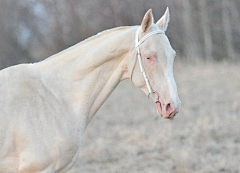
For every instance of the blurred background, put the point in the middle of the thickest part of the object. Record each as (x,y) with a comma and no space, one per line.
(126,135)
(31,30)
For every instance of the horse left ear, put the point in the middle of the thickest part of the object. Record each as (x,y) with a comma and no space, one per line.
(163,22)
(147,20)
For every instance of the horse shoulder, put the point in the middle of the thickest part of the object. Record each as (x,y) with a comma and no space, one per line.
(33,117)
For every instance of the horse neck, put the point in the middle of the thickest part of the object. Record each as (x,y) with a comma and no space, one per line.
(89,71)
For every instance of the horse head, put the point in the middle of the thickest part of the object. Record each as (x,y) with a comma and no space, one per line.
(154,74)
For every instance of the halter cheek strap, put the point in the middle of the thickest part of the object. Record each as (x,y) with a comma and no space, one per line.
(137,44)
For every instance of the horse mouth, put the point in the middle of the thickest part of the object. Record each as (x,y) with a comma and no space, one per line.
(172,115)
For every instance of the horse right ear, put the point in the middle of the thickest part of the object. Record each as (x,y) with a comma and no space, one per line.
(163,22)
(147,20)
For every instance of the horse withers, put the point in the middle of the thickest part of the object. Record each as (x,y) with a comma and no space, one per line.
(46,106)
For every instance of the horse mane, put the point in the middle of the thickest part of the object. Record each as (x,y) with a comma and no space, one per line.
(103,33)
(91,38)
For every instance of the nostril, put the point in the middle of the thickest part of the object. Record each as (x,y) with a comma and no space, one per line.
(169,108)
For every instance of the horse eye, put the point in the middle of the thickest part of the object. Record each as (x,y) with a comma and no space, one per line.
(148,57)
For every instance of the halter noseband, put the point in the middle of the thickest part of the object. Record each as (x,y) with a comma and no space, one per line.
(137,44)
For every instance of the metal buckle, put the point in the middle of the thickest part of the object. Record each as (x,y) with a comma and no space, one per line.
(151,100)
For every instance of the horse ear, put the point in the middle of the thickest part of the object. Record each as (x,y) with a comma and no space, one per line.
(147,20)
(163,22)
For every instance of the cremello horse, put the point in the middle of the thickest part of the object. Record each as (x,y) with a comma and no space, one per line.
(46,106)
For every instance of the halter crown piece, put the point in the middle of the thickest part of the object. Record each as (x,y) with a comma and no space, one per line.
(137,44)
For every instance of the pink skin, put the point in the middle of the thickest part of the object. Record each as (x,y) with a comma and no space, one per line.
(170,111)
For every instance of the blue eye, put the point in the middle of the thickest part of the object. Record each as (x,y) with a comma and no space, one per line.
(148,57)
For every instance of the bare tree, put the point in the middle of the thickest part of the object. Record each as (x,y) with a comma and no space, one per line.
(227,30)
(190,45)
(206,30)
(235,26)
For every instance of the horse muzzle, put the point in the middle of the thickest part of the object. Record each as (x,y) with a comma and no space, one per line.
(168,110)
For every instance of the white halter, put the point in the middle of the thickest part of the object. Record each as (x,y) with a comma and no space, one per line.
(137,44)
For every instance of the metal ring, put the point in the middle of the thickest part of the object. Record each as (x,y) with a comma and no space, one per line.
(151,100)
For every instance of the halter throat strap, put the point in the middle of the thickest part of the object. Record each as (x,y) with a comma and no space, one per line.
(137,44)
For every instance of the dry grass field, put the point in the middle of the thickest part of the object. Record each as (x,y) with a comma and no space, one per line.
(126,135)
